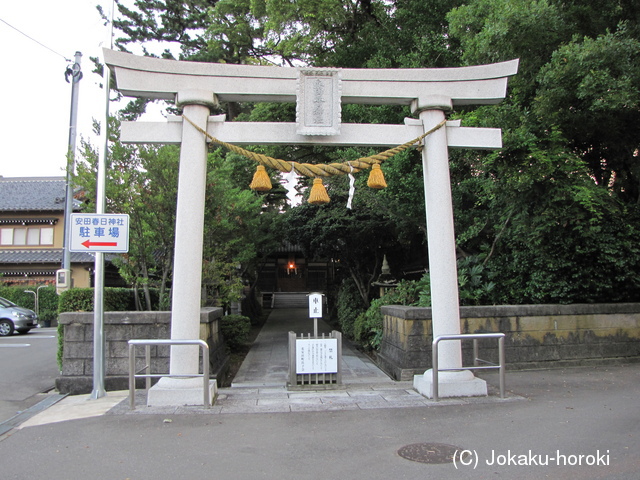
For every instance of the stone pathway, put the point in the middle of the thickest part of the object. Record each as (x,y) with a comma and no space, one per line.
(266,364)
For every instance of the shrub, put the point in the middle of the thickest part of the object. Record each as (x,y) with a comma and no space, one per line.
(350,305)
(367,328)
(76,300)
(235,330)
(119,299)
(17,295)
(48,304)
(475,282)
(60,352)
(81,300)
(154,296)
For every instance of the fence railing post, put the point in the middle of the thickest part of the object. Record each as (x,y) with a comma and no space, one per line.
(148,375)
(476,361)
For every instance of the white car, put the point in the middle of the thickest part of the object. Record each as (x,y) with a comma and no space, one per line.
(15,318)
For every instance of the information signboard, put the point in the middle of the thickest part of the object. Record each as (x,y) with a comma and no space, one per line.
(92,232)
(315,305)
(317,355)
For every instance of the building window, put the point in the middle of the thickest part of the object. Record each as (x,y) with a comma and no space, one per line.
(19,236)
(46,236)
(6,236)
(32,236)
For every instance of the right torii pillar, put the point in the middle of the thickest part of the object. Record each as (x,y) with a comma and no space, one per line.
(443,271)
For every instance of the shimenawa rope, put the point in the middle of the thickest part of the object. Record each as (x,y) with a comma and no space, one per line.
(317,170)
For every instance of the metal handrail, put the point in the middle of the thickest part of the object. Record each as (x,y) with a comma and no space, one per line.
(475,337)
(148,376)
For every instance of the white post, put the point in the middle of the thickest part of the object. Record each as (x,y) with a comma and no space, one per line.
(187,278)
(443,271)
(187,270)
(99,341)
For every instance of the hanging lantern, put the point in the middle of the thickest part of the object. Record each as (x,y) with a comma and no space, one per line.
(376,177)
(318,195)
(261,181)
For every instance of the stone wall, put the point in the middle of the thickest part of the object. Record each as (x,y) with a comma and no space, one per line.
(537,336)
(120,327)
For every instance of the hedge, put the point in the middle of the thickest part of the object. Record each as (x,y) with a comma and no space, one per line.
(115,299)
(47,300)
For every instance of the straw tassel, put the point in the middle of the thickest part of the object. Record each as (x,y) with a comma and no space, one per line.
(376,177)
(318,195)
(261,181)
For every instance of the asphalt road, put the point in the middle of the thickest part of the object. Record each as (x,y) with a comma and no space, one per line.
(571,424)
(27,367)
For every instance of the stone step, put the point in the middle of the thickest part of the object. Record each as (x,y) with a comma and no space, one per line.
(290,300)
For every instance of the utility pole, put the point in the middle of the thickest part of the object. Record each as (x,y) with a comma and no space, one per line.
(73,75)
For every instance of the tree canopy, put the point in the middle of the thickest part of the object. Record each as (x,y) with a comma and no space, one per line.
(547,209)
(143,182)
(550,217)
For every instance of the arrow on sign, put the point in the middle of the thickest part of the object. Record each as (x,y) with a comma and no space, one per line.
(89,244)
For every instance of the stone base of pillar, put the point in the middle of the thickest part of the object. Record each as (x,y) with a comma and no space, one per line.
(176,392)
(450,384)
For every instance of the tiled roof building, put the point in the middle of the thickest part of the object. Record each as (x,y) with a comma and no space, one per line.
(32,232)
(33,194)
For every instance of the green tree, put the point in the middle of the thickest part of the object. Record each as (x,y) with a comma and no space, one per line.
(547,218)
(580,78)
(551,213)
(288,32)
(237,227)
(357,238)
(142,183)
(590,89)
(362,33)
(168,23)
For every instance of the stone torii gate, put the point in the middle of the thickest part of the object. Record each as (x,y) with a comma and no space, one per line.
(319,93)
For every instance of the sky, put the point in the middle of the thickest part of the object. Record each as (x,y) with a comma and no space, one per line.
(36,99)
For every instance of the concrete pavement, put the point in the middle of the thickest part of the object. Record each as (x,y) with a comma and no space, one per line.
(260,384)
(580,423)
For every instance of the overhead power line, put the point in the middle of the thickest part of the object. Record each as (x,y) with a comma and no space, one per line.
(34,40)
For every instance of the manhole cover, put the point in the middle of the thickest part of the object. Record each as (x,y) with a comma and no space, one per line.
(429,452)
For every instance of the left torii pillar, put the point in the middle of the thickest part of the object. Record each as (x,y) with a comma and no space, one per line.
(187,271)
